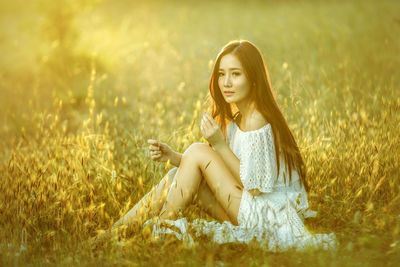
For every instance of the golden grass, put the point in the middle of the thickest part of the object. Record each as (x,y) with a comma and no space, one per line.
(107,76)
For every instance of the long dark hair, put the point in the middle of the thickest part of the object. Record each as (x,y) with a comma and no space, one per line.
(263,96)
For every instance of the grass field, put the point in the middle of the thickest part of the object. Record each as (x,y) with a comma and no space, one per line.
(84,84)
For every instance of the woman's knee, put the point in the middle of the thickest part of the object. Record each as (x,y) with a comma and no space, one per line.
(171,173)
(196,151)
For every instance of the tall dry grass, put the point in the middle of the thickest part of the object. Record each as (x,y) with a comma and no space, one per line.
(85,84)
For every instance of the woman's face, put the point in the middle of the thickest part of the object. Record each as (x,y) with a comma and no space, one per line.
(232,80)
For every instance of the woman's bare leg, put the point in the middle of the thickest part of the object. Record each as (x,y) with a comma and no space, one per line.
(199,161)
(150,204)
(210,204)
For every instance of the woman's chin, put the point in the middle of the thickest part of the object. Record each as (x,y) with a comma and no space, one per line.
(229,100)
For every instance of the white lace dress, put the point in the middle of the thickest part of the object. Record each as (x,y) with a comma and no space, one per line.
(274,218)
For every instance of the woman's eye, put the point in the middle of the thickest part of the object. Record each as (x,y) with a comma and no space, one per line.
(220,74)
(235,73)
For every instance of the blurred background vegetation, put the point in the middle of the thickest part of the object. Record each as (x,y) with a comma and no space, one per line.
(84,84)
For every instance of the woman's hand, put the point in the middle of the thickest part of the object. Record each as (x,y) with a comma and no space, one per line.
(159,151)
(211,130)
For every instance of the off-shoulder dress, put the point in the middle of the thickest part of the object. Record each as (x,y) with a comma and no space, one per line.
(274,218)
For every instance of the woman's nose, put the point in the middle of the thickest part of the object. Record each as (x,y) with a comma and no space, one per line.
(227,81)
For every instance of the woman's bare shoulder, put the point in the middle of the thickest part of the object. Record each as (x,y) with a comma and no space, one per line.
(257,121)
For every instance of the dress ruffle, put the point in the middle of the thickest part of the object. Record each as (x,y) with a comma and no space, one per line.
(278,227)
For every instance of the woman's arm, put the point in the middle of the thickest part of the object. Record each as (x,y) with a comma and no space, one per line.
(162,152)
(212,133)
(175,158)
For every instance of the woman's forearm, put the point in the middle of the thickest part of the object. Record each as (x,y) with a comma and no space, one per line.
(175,158)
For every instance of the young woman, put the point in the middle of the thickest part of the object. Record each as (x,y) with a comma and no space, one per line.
(251,178)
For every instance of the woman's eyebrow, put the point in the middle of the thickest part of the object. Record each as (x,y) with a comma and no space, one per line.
(231,69)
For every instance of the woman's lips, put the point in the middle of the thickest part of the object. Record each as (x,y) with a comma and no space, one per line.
(228,93)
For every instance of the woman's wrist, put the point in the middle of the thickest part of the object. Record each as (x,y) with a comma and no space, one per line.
(175,158)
